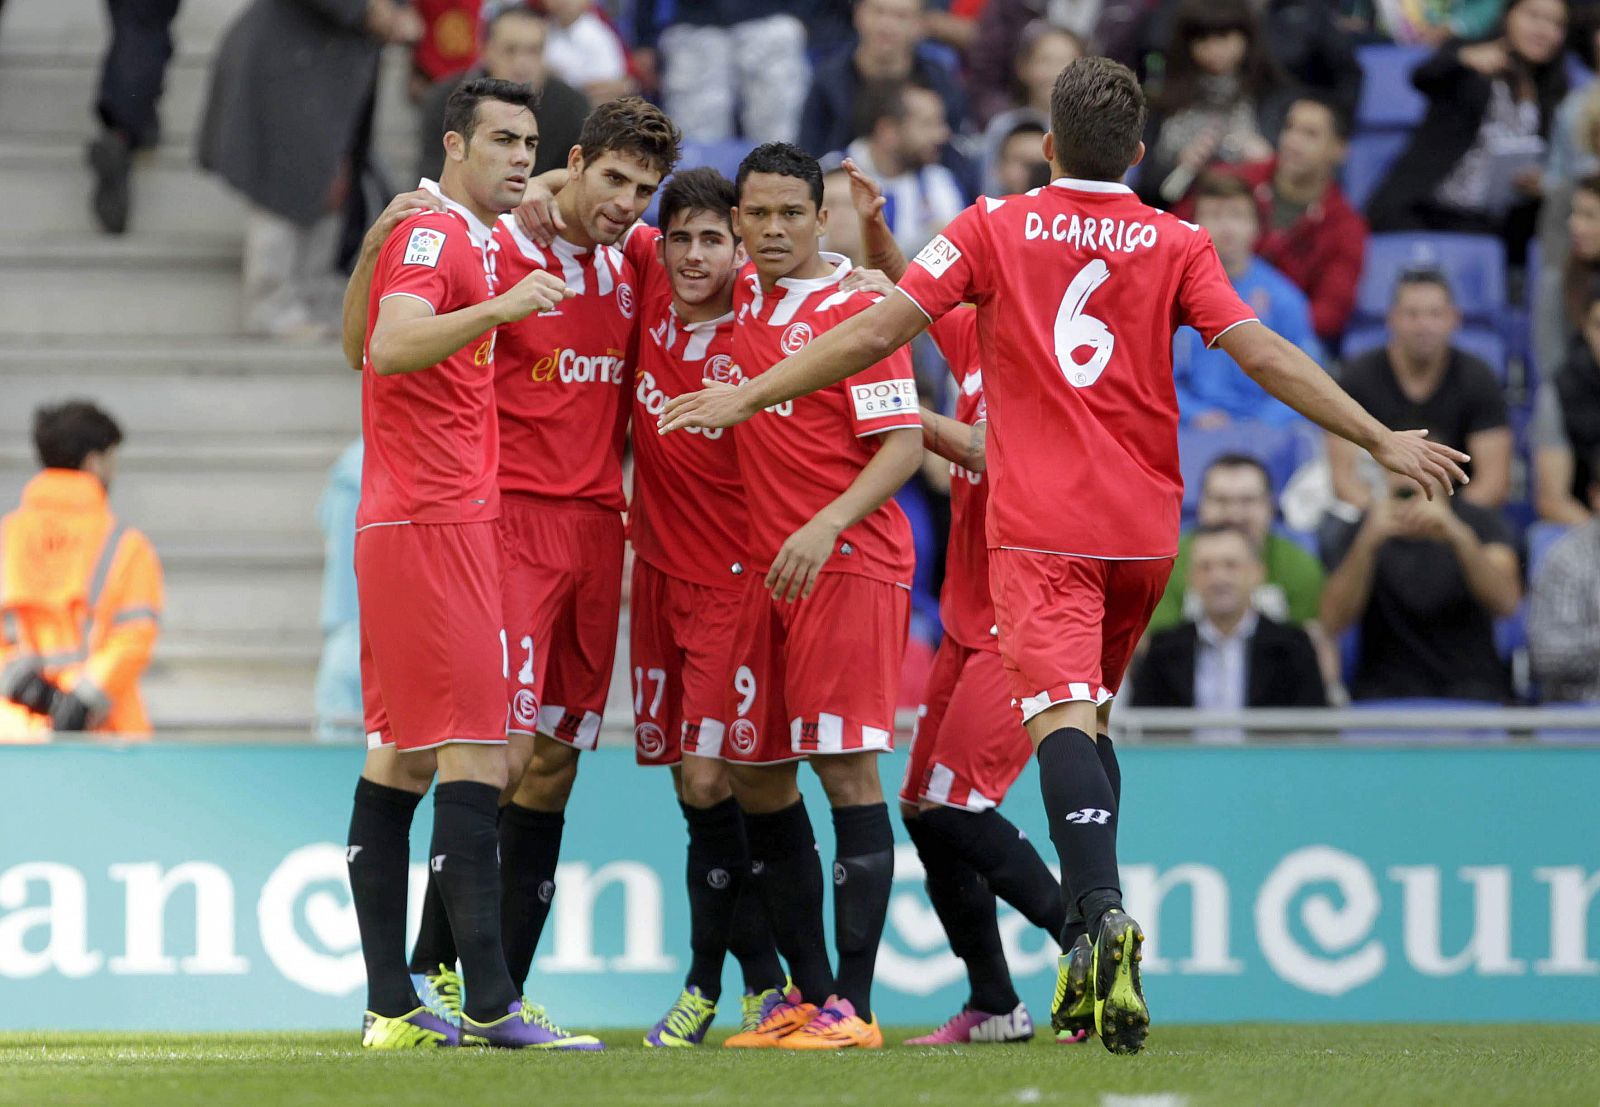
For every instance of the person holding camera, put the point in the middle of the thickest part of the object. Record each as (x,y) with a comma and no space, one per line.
(1424,580)
(80,591)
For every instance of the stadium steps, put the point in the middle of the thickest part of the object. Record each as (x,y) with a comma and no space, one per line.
(229,439)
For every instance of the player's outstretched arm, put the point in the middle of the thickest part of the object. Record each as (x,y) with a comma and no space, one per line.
(1286,372)
(359,287)
(858,342)
(794,571)
(966,444)
(409,337)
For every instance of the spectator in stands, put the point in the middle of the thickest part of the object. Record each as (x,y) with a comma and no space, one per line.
(1212,391)
(451,34)
(1020,164)
(338,687)
(1111,27)
(513,50)
(1221,95)
(1420,380)
(1566,428)
(953,22)
(902,132)
(1236,491)
(1569,276)
(1230,656)
(131,75)
(1303,37)
(1564,610)
(80,592)
(843,233)
(888,46)
(1436,23)
(1309,231)
(1424,581)
(287,123)
(1474,163)
(584,50)
(1045,52)
(721,58)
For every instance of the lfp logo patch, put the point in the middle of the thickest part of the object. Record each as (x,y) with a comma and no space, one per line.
(424,247)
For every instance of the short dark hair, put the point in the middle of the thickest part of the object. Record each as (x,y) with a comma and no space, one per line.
(699,189)
(1237,460)
(461,110)
(1343,120)
(65,434)
(1422,276)
(877,99)
(632,125)
(1212,530)
(1097,113)
(1222,186)
(782,159)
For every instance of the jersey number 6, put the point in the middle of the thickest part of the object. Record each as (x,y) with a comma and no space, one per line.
(1076,331)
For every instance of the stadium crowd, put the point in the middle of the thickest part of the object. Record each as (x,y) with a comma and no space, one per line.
(1410,193)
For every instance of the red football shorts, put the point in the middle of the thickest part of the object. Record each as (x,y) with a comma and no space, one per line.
(967,749)
(562,598)
(432,662)
(680,642)
(1068,625)
(820,675)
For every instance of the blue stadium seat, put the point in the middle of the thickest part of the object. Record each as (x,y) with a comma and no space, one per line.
(1474,264)
(1281,449)
(723,155)
(1388,99)
(1371,155)
(1421,737)
(1480,342)
(1541,537)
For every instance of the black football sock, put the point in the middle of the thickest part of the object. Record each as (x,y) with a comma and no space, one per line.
(750,941)
(1083,820)
(379,859)
(966,910)
(863,871)
(464,862)
(1108,762)
(786,871)
(1001,853)
(435,944)
(719,862)
(530,847)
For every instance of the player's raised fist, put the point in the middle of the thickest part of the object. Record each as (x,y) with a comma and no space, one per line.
(540,290)
(718,404)
(1433,465)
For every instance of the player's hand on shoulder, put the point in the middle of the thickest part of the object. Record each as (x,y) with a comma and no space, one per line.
(401,208)
(540,290)
(867,280)
(1434,466)
(538,216)
(800,559)
(718,404)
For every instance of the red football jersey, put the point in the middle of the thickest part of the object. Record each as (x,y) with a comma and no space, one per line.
(799,456)
(432,441)
(687,517)
(561,376)
(1079,288)
(965,605)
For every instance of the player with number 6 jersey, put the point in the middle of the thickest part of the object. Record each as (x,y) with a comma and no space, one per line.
(1079,288)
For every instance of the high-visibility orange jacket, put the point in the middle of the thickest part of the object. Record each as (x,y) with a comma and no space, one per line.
(81,594)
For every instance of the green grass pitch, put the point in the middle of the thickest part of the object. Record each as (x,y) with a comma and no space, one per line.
(1452,1066)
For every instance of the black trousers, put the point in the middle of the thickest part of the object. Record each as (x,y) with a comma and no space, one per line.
(135,67)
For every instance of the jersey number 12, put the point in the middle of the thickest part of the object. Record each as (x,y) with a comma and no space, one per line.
(1076,331)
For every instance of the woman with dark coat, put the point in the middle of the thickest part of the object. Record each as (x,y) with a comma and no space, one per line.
(1488,103)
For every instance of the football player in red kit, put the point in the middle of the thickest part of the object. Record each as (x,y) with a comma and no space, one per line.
(687,521)
(1078,289)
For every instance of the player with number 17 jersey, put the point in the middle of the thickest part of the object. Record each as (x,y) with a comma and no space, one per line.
(1085,487)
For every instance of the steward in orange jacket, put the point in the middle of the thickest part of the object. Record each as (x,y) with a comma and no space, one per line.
(80,592)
